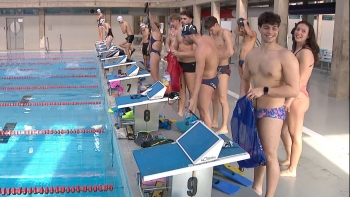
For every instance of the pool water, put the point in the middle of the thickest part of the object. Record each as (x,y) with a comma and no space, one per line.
(63,143)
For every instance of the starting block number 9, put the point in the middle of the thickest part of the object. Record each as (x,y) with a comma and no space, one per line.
(192,186)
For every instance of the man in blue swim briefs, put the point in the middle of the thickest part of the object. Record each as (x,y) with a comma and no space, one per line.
(206,79)
(275,74)
(249,39)
(224,43)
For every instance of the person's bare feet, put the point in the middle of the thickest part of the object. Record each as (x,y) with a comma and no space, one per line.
(259,192)
(215,125)
(284,163)
(288,173)
(223,130)
(181,113)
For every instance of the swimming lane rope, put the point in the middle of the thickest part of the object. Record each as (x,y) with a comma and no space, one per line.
(49,103)
(57,189)
(50,131)
(47,87)
(42,77)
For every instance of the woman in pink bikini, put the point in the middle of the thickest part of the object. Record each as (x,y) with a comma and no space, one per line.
(306,50)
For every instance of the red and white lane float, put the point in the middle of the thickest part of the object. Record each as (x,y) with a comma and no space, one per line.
(56,189)
(48,87)
(50,131)
(49,103)
(25,63)
(89,68)
(57,76)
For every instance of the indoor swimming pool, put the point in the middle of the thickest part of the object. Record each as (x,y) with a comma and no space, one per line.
(56,137)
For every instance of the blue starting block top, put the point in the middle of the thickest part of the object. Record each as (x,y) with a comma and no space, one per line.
(194,147)
(141,73)
(169,159)
(127,101)
(117,63)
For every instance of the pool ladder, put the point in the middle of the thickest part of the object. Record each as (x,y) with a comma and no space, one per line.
(47,46)
(60,44)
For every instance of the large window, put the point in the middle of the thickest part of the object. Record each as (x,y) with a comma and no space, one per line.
(19,11)
(120,11)
(72,11)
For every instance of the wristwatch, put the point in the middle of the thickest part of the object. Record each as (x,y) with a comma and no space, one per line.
(266,90)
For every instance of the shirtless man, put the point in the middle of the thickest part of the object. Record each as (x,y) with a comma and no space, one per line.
(127,44)
(206,79)
(175,25)
(224,43)
(184,52)
(144,44)
(275,74)
(100,20)
(249,39)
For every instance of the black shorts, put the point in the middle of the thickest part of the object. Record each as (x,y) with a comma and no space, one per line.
(129,38)
(145,49)
(189,67)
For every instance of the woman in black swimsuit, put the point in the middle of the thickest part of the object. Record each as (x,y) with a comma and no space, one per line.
(155,48)
(109,35)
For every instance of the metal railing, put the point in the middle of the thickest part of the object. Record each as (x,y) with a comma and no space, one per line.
(47,46)
(60,43)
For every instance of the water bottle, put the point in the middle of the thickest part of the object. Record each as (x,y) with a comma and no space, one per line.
(166,82)
(187,112)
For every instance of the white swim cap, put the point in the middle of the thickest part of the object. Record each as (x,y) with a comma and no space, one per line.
(98,10)
(120,18)
(142,25)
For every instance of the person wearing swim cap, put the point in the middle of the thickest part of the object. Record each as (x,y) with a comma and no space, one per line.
(127,43)
(100,20)
(144,44)
(109,36)
(185,55)
(249,39)
(206,79)
(224,43)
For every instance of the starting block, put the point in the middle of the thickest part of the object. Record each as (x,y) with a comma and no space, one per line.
(189,161)
(103,52)
(146,106)
(129,80)
(116,65)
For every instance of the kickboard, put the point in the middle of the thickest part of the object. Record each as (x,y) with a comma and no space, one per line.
(233,175)
(170,120)
(153,182)
(25,99)
(234,169)
(158,193)
(130,132)
(225,186)
(10,126)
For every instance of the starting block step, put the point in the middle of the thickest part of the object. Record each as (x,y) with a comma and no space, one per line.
(197,151)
